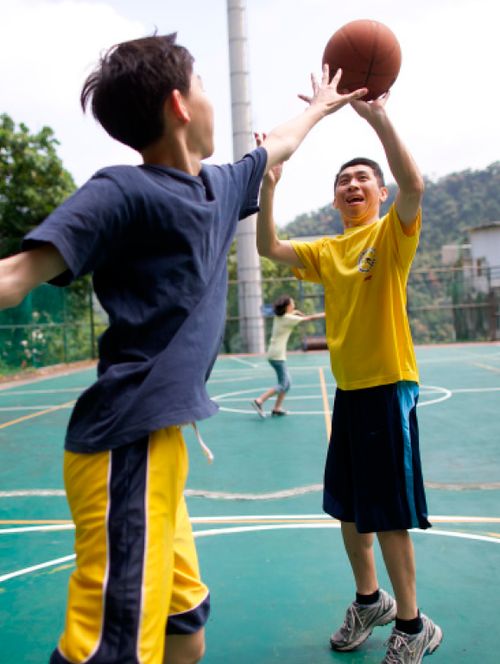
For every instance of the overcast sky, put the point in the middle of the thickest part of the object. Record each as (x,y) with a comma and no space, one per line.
(445,102)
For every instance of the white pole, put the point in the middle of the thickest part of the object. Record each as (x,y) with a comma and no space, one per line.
(249,276)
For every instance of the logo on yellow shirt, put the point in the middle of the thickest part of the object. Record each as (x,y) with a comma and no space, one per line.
(367,260)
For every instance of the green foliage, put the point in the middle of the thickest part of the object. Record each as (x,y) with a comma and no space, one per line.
(451,206)
(51,325)
(32,181)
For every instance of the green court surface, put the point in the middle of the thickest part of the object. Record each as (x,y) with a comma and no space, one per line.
(278,574)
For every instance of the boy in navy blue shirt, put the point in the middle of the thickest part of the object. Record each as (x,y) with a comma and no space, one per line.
(155,238)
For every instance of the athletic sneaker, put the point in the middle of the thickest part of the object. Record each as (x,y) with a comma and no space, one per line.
(360,619)
(258,408)
(279,413)
(410,648)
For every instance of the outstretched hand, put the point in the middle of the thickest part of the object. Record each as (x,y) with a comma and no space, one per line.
(273,175)
(325,93)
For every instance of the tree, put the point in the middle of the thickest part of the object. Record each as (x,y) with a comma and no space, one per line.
(48,326)
(32,181)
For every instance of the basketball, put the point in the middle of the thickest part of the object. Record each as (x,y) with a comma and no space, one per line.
(368,54)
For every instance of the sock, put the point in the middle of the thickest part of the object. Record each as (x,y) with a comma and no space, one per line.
(367,599)
(413,626)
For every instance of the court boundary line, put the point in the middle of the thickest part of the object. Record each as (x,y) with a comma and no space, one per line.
(213,532)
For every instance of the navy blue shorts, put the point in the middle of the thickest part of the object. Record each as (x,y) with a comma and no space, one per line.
(373,474)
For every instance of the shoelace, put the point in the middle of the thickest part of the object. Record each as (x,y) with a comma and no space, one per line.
(396,643)
(205,449)
(350,619)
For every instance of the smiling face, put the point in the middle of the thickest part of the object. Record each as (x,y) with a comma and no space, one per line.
(358,195)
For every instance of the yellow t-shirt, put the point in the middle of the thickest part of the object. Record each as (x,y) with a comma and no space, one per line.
(364,273)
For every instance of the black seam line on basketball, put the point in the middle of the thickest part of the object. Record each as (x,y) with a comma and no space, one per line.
(370,71)
(373,53)
(354,48)
(362,55)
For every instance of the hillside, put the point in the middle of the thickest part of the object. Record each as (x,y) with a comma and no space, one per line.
(452,204)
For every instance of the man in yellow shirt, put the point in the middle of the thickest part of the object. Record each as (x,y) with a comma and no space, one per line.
(373,477)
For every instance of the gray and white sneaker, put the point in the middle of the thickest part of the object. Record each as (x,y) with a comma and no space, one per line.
(360,620)
(410,648)
(258,407)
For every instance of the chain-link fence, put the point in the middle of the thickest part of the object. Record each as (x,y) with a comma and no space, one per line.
(60,325)
(51,326)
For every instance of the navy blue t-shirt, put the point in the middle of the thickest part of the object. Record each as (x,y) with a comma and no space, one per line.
(156,240)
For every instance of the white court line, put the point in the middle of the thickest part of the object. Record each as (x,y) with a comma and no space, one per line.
(475,389)
(437,518)
(486,366)
(245,362)
(442,393)
(457,358)
(34,568)
(20,493)
(248,529)
(33,529)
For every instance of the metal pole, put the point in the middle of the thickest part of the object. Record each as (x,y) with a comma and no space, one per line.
(249,276)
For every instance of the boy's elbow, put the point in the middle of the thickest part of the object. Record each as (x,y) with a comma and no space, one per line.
(270,251)
(11,297)
(264,250)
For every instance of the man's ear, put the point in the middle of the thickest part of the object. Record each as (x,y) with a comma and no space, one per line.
(384,193)
(177,105)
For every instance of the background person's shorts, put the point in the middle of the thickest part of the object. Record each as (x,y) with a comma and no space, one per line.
(373,474)
(136,576)
(282,375)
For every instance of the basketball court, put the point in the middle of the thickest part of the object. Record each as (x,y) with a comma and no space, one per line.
(275,563)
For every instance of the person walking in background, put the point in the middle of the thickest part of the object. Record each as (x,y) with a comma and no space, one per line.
(286,318)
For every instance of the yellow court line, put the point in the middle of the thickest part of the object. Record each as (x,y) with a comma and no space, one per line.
(326,405)
(41,412)
(297,519)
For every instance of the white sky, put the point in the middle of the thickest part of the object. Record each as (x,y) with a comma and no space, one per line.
(445,102)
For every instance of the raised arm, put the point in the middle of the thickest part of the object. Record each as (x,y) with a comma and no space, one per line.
(20,273)
(403,167)
(282,141)
(268,242)
(308,317)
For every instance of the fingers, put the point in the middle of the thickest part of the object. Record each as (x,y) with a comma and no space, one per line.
(325,74)
(314,84)
(259,137)
(357,94)
(336,78)
(305,98)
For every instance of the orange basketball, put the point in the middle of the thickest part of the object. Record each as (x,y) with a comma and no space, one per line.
(368,54)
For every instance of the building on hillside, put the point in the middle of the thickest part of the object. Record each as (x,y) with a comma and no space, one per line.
(476,282)
(485,253)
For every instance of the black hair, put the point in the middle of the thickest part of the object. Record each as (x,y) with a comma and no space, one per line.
(280,305)
(129,87)
(364,161)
